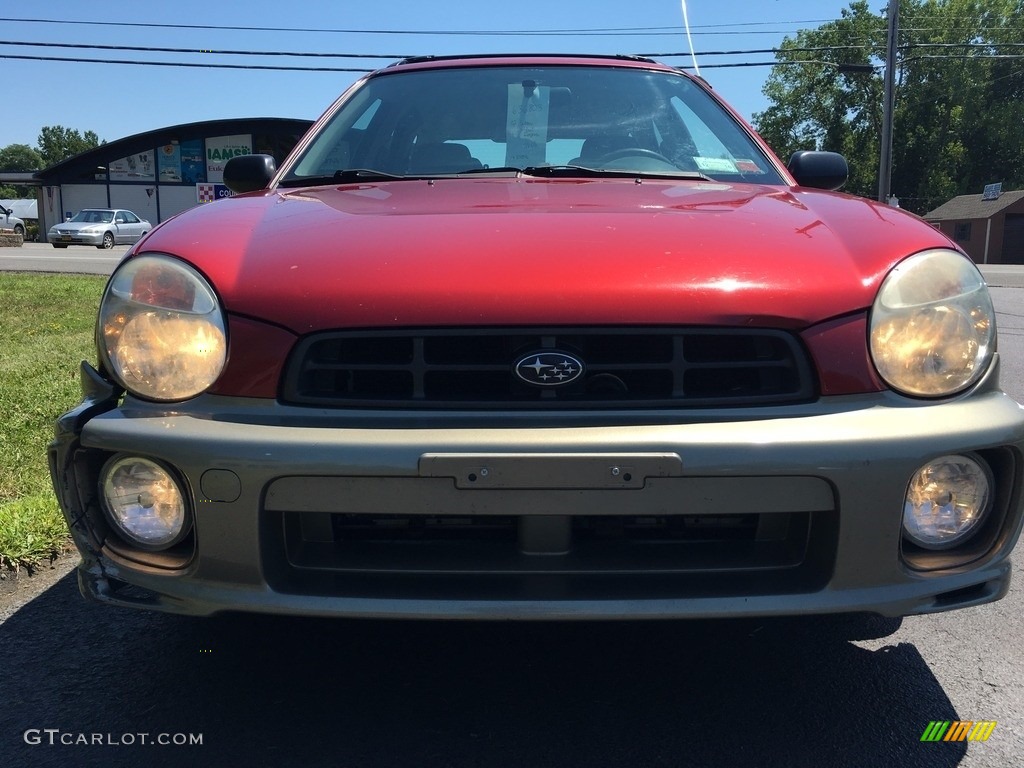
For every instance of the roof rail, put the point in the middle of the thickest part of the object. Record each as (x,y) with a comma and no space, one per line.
(455,57)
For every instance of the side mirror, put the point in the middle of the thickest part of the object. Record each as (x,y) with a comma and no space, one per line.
(819,170)
(248,173)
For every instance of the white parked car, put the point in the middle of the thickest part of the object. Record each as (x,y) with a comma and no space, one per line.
(101,227)
(9,221)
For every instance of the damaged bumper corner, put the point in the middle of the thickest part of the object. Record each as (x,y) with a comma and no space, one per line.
(98,396)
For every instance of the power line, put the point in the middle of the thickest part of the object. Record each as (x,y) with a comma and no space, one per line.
(181,64)
(966,56)
(284,68)
(730,29)
(582,31)
(154,49)
(961,45)
(396,56)
(392,57)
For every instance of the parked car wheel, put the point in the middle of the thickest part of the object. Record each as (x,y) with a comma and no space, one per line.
(108,241)
(19,230)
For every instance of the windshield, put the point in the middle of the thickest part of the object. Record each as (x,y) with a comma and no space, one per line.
(94,217)
(462,120)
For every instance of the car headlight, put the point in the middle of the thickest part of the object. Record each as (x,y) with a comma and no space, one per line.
(933,326)
(161,329)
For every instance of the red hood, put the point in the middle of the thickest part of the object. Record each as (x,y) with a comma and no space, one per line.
(526,251)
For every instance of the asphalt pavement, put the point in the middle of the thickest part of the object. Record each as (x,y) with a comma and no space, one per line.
(75,259)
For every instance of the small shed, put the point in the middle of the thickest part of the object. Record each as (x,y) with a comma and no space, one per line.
(990,228)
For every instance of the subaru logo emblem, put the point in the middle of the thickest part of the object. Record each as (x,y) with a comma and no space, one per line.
(548,369)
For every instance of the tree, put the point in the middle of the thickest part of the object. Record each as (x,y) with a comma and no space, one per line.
(958,121)
(817,105)
(20,158)
(58,143)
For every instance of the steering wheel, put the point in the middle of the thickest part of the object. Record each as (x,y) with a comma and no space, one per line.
(633,152)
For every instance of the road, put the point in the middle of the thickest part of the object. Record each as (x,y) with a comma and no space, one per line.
(43,257)
(266,691)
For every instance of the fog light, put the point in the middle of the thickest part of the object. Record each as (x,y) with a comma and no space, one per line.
(946,501)
(144,502)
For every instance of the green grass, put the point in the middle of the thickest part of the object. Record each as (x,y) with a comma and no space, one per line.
(47,323)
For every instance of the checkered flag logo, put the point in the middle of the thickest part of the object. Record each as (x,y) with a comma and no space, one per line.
(205,193)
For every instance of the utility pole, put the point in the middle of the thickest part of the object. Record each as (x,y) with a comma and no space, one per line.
(885,163)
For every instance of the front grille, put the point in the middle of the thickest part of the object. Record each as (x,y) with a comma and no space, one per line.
(681,536)
(624,367)
(351,528)
(585,556)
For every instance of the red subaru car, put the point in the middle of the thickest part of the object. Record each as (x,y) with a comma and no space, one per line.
(542,337)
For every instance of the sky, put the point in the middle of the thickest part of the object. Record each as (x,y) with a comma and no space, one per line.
(118,100)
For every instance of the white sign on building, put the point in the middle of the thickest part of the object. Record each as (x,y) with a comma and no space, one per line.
(220,149)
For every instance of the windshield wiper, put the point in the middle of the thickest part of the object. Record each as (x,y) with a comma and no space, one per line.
(570,171)
(352,175)
(580,171)
(343,176)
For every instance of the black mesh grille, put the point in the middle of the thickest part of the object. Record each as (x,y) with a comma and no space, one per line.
(638,368)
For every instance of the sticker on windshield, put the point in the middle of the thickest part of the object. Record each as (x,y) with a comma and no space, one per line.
(526,124)
(748,166)
(715,165)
